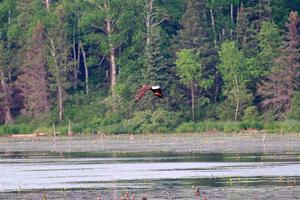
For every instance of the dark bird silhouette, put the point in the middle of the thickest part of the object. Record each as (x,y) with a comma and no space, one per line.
(145,88)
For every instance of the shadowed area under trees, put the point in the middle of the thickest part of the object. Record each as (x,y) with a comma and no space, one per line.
(80,63)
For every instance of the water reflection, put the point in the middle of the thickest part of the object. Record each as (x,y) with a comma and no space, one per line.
(54,170)
(74,168)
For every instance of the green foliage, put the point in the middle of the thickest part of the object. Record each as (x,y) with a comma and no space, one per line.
(188,66)
(235,74)
(250,114)
(16,129)
(229,127)
(294,112)
(157,121)
(225,110)
(117,128)
(232,66)
(286,126)
(269,39)
(219,126)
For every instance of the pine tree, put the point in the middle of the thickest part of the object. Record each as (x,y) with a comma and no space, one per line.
(155,72)
(8,59)
(5,90)
(245,32)
(33,80)
(278,88)
(269,39)
(195,36)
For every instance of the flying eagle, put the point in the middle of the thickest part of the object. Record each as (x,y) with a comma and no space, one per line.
(145,88)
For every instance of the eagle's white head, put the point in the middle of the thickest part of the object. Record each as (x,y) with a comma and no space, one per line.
(155,87)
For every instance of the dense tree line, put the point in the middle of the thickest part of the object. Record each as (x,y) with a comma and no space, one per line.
(82,61)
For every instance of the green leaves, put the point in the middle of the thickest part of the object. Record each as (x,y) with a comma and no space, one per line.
(188,66)
(236,75)
(232,65)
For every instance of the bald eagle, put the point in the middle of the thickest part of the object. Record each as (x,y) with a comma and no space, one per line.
(145,88)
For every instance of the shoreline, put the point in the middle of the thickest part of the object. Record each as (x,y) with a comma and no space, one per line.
(213,142)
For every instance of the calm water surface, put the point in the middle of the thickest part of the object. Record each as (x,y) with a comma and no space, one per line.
(157,174)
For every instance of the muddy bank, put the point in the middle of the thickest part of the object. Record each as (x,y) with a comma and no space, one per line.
(192,142)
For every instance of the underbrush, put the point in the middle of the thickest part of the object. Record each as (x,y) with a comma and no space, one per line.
(16,129)
(157,122)
(287,126)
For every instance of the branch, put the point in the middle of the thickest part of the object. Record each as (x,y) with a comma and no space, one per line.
(161,21)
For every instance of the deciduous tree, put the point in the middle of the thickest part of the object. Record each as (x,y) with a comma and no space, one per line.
(235,75)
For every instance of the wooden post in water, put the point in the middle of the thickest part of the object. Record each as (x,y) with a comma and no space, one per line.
(54,131)
(69,129)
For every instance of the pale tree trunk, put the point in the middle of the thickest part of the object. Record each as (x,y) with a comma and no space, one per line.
(213,26)
(8,119)
(193,101)
(78,57)
(237,15)
(58,82)
(148,20)
(113,70)
(57,76)
(47,4)
(74,59)
(70,133)
(113,66)
(60,99)
(237,108)
(85,69)
(236,93)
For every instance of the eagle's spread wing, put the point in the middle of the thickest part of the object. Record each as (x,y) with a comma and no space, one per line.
(141,92)
(145,88)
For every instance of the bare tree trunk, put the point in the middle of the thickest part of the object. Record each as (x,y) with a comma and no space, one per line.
(236,94)
(69,129)
(237,107)
(213,26)
(113,66)
(60,100)
(78,57)
(58,82)
(148,20)
(8,119)
(54,129)
(74,59)
(47,4)
(237,15)
(85,69)
(193,101)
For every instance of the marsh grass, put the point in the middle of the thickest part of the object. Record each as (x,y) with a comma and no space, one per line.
(288,126)
(16,129)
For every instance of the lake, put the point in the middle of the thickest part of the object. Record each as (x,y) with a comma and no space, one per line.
(249,166)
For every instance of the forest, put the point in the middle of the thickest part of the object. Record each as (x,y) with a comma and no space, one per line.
(224,65)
